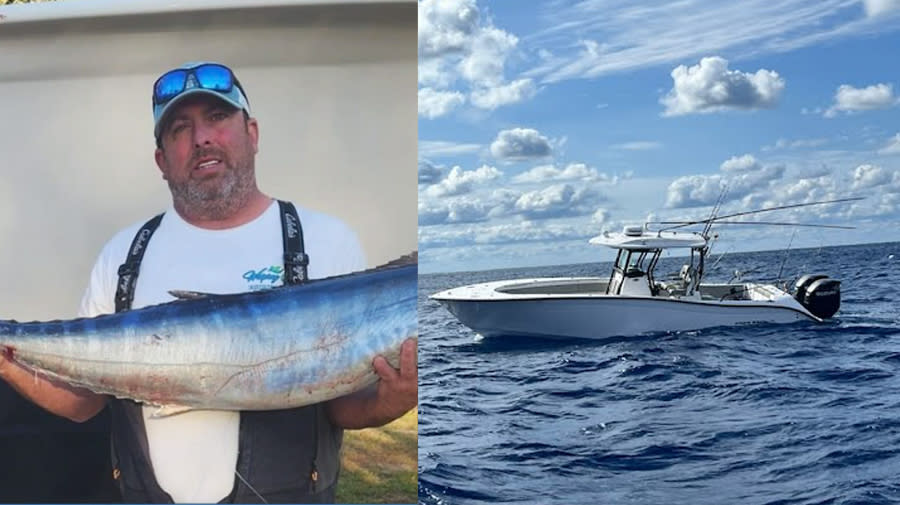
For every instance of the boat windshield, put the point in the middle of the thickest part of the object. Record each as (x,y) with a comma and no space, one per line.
(638,263)
(637,260)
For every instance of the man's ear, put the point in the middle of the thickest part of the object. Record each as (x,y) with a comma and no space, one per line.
(253,130)
(161,162)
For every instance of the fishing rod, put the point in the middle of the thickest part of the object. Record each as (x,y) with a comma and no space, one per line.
(786,254)
(709,221)
(716,208)
(769,223)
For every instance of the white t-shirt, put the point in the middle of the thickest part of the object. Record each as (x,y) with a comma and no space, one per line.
(194,454)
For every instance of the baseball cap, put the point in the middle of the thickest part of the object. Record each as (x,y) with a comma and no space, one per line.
(192,78)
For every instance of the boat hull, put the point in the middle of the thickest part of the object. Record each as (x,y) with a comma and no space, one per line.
(601,317)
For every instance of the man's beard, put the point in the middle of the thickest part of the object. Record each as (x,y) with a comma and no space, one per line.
(214,198)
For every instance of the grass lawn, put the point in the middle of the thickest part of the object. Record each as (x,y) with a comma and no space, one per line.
(379,464)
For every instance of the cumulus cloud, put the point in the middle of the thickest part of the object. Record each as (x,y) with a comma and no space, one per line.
(808,189)
(742,176)
(453,212)
(503,94)
(559,200)
(432,214)
(849,99)
(892,147)
(483,65)
(878,7)
(572,171)
(459,45)
(446,26)
(428,172)
(600,216)
(520,144)
(868,176)
(694,191)
(888,205)
(740,164)
(469,208)
(460,181)
(710,87)
(434,103)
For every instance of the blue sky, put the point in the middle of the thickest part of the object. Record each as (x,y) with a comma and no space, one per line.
(542,124)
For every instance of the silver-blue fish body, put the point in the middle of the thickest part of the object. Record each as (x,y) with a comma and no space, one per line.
(273,349)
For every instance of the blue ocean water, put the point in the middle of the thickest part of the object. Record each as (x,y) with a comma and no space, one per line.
(772,414)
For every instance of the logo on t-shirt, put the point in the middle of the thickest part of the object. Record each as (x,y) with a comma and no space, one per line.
(263,278)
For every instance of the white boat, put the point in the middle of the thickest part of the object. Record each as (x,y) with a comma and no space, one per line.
(631,301)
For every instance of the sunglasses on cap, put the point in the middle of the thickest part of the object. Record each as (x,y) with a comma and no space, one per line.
(208,76)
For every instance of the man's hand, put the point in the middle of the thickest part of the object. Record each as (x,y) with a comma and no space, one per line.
(395,394)
(398,390)
(58,398)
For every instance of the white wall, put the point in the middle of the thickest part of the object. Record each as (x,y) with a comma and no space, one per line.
(333,88)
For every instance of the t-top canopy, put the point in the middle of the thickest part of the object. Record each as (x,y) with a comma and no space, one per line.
(636,238)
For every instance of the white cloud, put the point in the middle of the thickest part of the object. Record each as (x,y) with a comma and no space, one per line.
(483,65)
(428,172)
(850,99)
(600,216)
(520,144)
(434,73)
(432,213)
(878,7)
(559,200)
(888,205)
(503,94)
(471,207)
(892,147)
(544,173)
(868,176)
(460,181)
(459,45)
(640,145)
(694,191)
(710,87)
(742,176)
(807,189)
(434,103)
(446,26)
(740,164)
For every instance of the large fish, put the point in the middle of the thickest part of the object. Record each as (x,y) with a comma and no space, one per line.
(278,348)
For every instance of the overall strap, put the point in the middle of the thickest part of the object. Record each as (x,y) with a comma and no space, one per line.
(131,468)
(295,272)
(295,258)
(128,271)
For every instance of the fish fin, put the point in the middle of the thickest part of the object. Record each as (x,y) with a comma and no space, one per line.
(408,259)
(188,295)
(169,410)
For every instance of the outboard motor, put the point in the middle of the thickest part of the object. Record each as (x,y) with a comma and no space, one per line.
(819,294)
